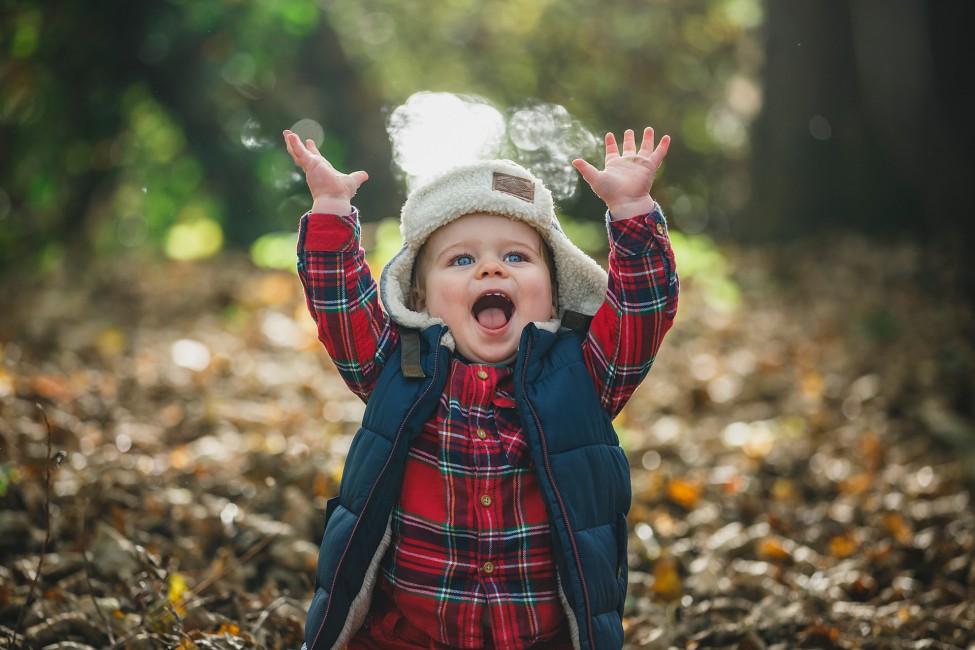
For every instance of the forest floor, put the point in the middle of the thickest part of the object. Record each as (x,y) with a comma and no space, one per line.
(802,460)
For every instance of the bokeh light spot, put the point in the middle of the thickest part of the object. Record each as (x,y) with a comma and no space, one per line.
(251,135)
(548,140)
(132,230)
(433,132)
(275,250)
(376,28)
(190,354)
(194,240)
(308,129)
(820,128)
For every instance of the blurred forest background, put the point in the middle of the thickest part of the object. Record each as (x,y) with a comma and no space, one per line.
(131,128)
(803,453)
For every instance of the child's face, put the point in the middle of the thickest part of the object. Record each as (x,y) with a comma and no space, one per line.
(486,277)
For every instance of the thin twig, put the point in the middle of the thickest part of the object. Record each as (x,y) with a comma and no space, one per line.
(196,591)
(47,527)
(91,590)
(278,602)
(246,557)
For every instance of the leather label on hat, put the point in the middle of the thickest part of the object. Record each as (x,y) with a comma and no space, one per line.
(517,187)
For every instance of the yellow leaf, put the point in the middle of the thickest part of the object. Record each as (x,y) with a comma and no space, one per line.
(6,380)
(177,589)
(111,342)
(229,628)
(667,583)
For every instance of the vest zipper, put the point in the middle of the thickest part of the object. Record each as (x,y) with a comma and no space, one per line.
(558,495)
(399,432)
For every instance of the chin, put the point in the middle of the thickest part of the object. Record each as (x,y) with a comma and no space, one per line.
(501,357)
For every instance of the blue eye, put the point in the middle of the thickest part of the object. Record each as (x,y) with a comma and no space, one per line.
(514,258)
(463,260)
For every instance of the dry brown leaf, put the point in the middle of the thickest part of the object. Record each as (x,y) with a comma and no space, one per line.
(686,494)
(843,546)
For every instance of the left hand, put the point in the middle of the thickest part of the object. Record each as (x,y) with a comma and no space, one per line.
(331,190)
(625,182)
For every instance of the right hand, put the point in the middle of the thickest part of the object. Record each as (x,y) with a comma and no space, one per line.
(625,182)
(331,190)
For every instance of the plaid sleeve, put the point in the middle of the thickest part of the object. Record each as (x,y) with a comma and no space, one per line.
(342,297)
(640,305)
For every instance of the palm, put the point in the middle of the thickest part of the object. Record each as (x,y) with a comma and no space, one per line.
(324,181)
(627,176)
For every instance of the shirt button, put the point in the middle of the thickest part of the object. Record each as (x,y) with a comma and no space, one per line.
(660,228)
(482,374)
(486,500)
(482,434)
(488,567)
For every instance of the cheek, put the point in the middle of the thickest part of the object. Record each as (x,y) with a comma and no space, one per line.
(445,297)
(542,299)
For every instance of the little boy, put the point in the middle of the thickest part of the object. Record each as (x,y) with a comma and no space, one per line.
(484,498)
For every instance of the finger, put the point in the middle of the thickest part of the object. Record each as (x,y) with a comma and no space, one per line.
(658,155)
(298,146)
(589,172)
(612,149)
(358,178)
(293,144)
(629,144)
(315,157)
(646,147)
(292,137)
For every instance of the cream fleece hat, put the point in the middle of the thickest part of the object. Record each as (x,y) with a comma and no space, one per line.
(498,187)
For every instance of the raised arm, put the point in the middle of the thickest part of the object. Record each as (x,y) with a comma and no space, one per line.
(641,298)
(340,292)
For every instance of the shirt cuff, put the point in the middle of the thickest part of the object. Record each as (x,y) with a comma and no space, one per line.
(330,233)
(637,235)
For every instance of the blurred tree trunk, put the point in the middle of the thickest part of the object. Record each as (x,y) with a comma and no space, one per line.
(867,124)
(330,91)
(63,98)
(349,106)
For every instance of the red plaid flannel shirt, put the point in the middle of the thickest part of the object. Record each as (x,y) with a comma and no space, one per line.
(471,560)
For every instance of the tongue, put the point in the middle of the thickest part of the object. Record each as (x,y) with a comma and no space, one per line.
(492,318)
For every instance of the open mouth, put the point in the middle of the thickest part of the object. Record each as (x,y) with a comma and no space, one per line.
(493,310)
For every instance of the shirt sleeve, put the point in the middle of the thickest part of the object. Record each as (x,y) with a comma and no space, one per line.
(343,299)
(640,306)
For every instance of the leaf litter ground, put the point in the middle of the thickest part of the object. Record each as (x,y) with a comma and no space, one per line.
(802,461)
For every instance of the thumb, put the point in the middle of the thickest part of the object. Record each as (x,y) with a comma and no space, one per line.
(588,171)
(358,178)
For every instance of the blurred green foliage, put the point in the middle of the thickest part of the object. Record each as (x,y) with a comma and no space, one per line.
(703,262)
(142,128)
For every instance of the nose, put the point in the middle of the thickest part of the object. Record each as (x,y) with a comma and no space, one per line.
(491,267)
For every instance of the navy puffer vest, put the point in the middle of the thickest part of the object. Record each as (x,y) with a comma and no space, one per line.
(581,469)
